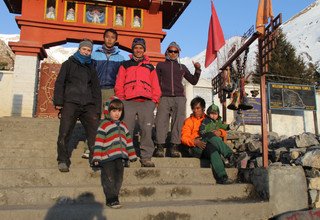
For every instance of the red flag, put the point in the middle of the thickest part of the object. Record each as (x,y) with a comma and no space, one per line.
(215,37)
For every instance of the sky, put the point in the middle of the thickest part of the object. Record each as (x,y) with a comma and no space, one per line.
(191,29)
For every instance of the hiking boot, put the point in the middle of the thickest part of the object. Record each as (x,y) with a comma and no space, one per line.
(63,167)
(115,205)
(159,151)
(174,152)
(224,180)
(146,163)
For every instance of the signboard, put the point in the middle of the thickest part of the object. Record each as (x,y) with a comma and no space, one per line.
(291,97)
(252,116)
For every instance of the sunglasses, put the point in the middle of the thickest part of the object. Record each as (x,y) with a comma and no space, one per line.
(173,51)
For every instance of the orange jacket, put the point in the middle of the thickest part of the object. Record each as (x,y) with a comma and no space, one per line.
(190,130)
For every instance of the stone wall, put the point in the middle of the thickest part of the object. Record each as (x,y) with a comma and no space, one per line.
(6,79)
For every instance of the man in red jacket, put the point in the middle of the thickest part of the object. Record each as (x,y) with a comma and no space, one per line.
(138,86)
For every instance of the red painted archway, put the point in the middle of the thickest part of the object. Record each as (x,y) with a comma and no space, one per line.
(40,31)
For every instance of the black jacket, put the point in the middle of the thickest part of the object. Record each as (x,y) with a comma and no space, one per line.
(170,74)
(77,83)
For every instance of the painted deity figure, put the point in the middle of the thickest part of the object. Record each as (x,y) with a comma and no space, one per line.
(136,21)
(51,13)
(70,15)
(119,19)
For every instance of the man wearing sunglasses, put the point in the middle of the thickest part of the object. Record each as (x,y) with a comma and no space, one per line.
(173,101)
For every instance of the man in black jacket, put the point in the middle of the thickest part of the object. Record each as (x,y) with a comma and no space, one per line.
(77,95)
(173,101)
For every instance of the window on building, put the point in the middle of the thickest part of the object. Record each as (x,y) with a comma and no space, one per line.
(137,18)
(51,9)
(70,11)
(119,16)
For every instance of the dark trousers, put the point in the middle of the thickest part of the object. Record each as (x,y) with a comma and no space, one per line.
(111,179)
(69,114)
(215,147)
(176,107)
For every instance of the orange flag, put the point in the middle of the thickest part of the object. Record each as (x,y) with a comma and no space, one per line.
(215,37)
(264,12)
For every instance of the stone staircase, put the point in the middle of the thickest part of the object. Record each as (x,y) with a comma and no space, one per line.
(31,187)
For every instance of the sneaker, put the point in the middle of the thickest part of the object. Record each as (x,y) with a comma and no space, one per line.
(159,151)
(114,205)
(224,180)
(63,167)
(147,163)
(86,154)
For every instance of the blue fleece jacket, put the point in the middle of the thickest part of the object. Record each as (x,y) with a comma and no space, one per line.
(107,67)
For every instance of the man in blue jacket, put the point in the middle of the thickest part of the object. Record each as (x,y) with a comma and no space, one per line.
(107,59)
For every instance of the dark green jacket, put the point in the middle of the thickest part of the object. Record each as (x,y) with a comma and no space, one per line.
(209,125)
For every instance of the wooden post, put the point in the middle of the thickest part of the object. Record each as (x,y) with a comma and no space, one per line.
(263,95)
(270,120)
(315,119)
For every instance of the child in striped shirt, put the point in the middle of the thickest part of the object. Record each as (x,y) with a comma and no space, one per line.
(113,145)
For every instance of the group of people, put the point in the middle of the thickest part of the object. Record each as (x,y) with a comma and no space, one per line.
(127,92)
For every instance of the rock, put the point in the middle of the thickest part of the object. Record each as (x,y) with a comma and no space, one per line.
(278,152)
(299,215)
(317,147)
(314,183)
(294,155)
(311,159)
(254,146)
(287,143)
(273,136)
(244,162)
(313,194)
(312,173)
(277,164)
(306,140)
(259,161)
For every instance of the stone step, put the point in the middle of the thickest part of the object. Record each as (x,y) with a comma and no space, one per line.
(128,193)
(151,210)
(85,176)
(78,162)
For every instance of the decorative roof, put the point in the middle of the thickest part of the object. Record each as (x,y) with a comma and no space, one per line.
(171,9)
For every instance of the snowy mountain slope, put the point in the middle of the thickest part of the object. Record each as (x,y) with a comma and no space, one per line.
(302,31)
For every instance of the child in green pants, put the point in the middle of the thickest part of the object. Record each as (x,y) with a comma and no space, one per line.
(213,131)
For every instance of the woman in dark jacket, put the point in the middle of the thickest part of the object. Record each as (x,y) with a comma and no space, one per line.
(77,95)
(173,100)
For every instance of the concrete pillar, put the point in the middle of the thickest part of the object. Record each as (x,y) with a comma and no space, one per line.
(25,85)
(189,95)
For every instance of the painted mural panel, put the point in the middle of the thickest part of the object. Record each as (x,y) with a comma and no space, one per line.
(95,14)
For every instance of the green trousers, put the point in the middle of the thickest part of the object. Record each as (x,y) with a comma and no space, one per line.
(214,148)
